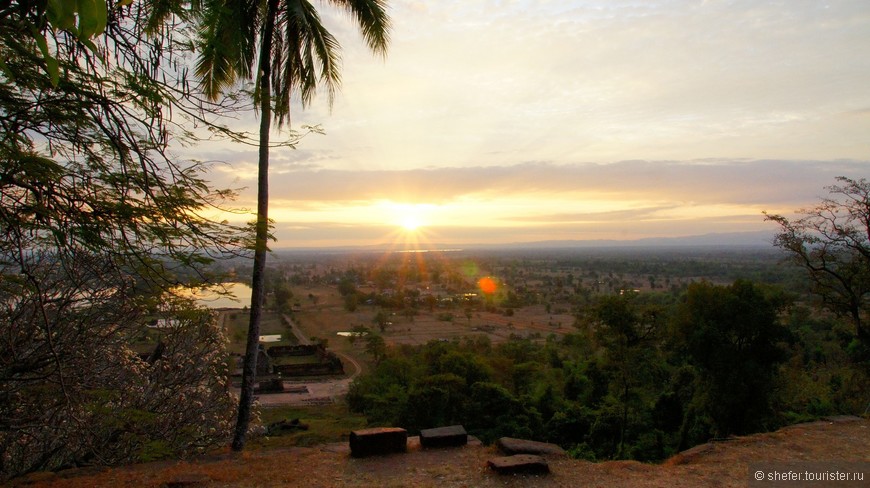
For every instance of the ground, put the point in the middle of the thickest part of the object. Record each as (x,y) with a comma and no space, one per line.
(325,317)
(328,316)
(722,464)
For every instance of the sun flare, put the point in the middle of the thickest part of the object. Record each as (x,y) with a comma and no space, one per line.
(410,223)
(410,218)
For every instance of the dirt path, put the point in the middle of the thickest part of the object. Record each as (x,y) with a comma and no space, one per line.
(301,338)
(840,443)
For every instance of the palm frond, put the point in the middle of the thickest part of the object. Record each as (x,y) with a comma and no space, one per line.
(372,19)
(304,54)
(227,41)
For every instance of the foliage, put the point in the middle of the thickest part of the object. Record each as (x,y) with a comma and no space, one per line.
(281,294)
(75,391)
(376,347)
(642,378)
(85,163)
(98,222)
(326,424)
(382,320)
(301,54)
(629,336)
(733,337)
(80,19)
(832,243)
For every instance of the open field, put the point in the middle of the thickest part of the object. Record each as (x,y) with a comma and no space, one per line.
(327,317)
(235,323)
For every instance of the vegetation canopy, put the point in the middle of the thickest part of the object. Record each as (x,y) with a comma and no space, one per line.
(97,222)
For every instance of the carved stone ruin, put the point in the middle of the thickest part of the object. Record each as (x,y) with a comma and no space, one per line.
(450,436)
(379,440)
(509,445)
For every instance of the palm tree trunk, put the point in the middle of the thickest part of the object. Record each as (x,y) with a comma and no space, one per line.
(249,371)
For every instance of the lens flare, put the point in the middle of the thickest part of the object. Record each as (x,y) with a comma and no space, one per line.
(487,285)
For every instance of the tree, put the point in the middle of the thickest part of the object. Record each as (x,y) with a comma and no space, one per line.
(283,296)
(98,223)
(732,336)
(295,53)
(76,392)
(347,286)
(376,347)
(628,334)
(832,242)
(494,412)
(382,320)
(357,331)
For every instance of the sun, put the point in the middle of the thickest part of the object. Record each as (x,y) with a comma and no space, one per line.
(410,222)
(409,217)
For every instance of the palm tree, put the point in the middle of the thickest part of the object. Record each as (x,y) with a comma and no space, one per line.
(296,53)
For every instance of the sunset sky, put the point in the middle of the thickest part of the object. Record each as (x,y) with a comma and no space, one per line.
(517,121)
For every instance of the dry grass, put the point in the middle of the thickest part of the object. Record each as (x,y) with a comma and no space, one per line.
(722,464)
(236,323)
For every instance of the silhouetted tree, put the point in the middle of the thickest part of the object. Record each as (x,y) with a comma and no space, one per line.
(628,334)
(832,242)
(296,53)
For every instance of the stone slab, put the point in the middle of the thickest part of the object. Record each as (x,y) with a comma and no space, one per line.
(510,446)
(187,481)
(519,464)
(378,440)
(450,436)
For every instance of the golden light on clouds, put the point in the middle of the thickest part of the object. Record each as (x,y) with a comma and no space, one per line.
(507,217)
(561,121)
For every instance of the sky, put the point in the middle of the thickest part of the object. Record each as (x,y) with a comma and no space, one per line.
(519,121)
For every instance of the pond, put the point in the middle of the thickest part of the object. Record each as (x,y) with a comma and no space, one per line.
(239,296)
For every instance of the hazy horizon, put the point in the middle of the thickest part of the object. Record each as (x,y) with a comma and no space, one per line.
(737,240)
(523,121)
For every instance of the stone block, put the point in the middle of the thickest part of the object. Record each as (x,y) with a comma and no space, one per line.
(510,446)
(379,440)
(450,436)
(274,385)
(519,464)
(187,481)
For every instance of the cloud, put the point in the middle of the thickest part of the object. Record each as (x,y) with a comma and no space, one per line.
(632,215)
(530,118)
(602,82)
(542,201)
(712,181)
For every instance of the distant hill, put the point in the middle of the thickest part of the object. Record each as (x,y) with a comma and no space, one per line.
(758,239)
(733,239)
